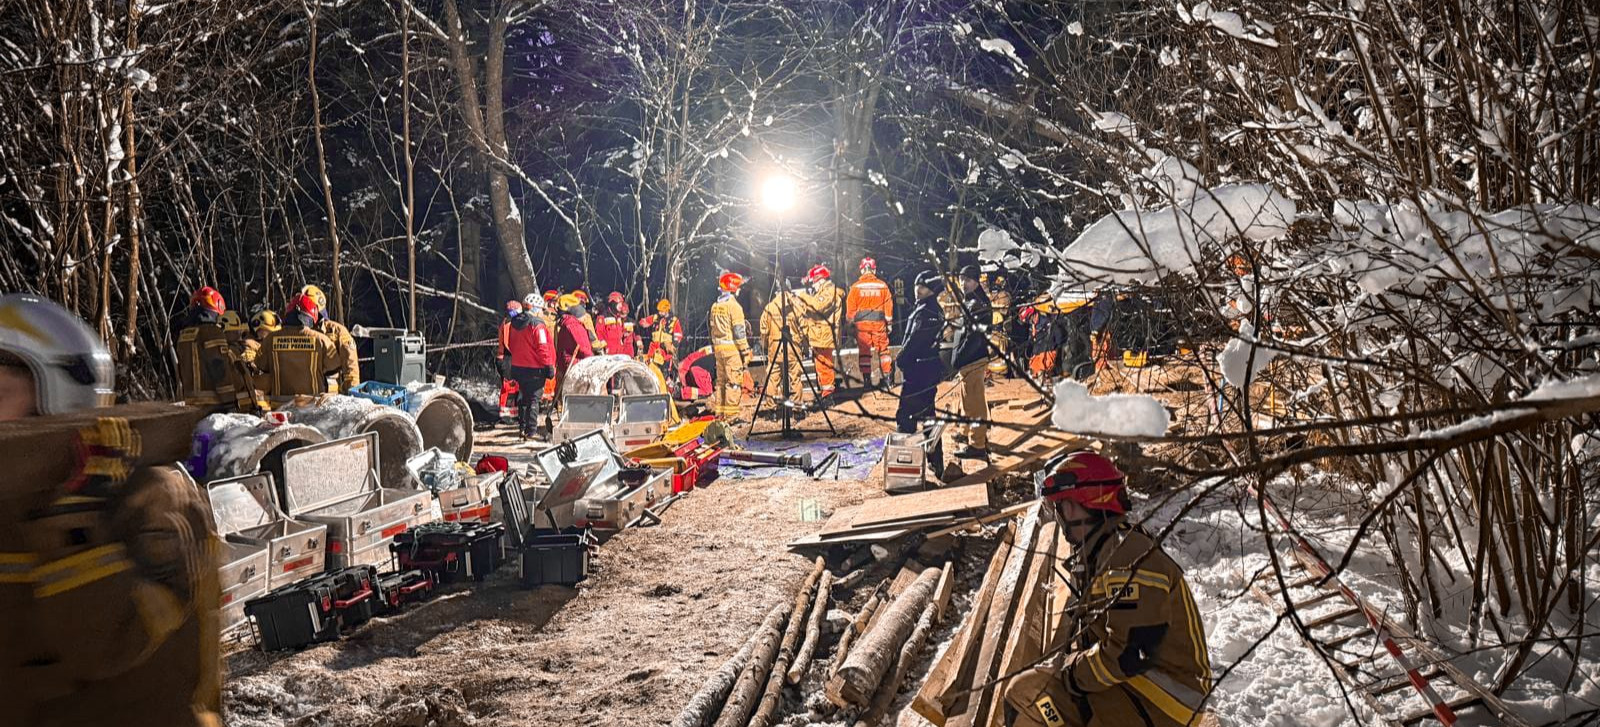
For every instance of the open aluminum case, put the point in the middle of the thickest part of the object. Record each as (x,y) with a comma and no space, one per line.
(908,463)
(242,569)
(642,421)
(607,503)
(467,498)
(583,413)
(336,484)
(249,505)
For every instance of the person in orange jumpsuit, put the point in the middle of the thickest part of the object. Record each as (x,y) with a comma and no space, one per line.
(870,306)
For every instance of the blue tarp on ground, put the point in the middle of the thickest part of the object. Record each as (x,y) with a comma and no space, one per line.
(855,458)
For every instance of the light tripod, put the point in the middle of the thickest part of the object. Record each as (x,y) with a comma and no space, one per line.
(788,352)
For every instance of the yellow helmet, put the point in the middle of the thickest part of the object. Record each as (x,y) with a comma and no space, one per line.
(317,295)
(567,302)
(231,321)
(264,320)
(664,306)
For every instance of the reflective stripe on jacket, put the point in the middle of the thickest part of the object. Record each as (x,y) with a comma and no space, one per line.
(870,300)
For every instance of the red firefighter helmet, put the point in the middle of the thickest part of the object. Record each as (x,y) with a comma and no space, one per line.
(209,299)
(818,272)
(550,296)
(1084,477)
(583,296)
(868,265)
(304,304)
(730,282)
(615,297)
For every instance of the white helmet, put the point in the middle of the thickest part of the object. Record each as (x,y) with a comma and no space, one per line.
(534,301)
(71,368)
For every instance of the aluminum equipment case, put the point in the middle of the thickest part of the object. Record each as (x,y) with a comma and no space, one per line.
(451,551)
(336,484)
(553,554)
(910,461)
(243,566)
(642,420)
(462,496)
(608,503)
(583,413)
(314,609)
(295,549)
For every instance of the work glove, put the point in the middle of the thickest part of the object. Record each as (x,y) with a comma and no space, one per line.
(549,372)
(1040,696)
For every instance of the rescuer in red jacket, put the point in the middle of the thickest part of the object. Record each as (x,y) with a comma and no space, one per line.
(533,359)
(572,339)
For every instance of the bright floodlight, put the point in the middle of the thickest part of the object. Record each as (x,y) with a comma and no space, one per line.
(778,192)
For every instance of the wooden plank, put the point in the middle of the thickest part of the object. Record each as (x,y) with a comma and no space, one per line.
(977,521)
(840,521)
(1014,460)
(951,673)
(941,596)
(947,501)
(872,536)
(917,524)
(903,579)
(998,623)
(1025,641)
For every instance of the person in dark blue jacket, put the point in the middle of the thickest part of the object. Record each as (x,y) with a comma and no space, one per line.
(919,355)
(971,359)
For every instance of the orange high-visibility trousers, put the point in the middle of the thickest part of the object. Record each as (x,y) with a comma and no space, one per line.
(872,338)
(827,373)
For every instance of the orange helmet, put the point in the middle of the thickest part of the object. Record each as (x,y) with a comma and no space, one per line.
(818,272)
(1084,477)
(730,282)
(868,265)
(550,296)
(209,299)
(663,305)
(583,296)
(615,297)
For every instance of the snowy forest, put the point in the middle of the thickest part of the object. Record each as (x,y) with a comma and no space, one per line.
(1372,227)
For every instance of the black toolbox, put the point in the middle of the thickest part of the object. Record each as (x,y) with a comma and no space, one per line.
(314,609)
(398,588)
(553,555)
(452,551)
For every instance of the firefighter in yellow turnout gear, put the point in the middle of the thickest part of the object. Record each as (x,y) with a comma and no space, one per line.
(1129,648)
(730,347)
(348,375)
(773,322)
(297,359)
(212,373)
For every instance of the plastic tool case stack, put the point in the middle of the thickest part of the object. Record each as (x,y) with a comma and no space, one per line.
(315,609)
(336,484)
(451,551)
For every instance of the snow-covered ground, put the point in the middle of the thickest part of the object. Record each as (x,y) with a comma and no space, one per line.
(1269,677)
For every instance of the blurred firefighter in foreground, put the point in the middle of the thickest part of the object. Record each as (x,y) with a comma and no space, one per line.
(1126,643)
(533,359)
(780,313)
(297,359)
(108,579)
(870,307)
(919,360)
(348,375)
(212,373)
(730,346)
(971,359)
(666,334)
(822,302)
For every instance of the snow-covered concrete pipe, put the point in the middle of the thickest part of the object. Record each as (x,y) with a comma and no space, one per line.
(444,419)
(339,416)
(591,377)
(241,444)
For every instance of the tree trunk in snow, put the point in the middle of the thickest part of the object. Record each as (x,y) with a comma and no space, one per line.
(879,649)
(322,164)
(486,126)
(706,703)
(791,637)
(747,692)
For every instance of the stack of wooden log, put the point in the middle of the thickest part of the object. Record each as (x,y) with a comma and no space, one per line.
(875,654)
(1003,632)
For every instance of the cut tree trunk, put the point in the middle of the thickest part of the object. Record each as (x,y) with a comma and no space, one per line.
(908,654)
(867,664)
(857,625)
(774,691)
(819,609)
(706,703)
(742,699)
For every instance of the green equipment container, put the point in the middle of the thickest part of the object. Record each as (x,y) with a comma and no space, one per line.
(398,357)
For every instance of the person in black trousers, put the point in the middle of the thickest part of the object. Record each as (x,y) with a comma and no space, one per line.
(919,355)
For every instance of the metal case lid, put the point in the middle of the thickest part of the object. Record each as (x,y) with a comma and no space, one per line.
(234,507)
(650,408)
(320,475)
(589,409)
(590,457)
